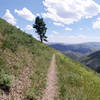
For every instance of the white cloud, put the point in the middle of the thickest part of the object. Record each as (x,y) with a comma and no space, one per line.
(9,17)
(66,38)
(68,29)
(26,14)
(72,39)
(58,24)
(81,28)
(28,27)
(55,32)
(68,12)
(17,26)
(96,24)
(22,29)
(37,14)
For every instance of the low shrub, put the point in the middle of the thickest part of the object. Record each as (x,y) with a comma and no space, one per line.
(5,81)
(30,94)
(5,77)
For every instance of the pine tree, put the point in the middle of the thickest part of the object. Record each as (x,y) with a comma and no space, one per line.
(41,28)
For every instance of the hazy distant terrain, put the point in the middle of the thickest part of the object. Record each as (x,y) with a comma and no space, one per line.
(92,61)
(75,51)
(24,68)
(86,53)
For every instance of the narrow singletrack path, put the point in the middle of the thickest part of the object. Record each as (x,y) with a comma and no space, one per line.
(50,93)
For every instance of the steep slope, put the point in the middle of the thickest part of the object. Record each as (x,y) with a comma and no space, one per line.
(92,61)
(24,65)
(76,81)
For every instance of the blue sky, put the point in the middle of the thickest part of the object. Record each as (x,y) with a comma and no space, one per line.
(76,21)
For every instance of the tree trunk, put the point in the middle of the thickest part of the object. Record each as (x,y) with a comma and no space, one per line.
(41,39)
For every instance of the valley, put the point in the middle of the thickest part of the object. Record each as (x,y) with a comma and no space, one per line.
(25,70)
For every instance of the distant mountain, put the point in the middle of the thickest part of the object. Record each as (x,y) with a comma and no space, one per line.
(92,61)
(73,55)
(24,68)
(75,51)
(94,45)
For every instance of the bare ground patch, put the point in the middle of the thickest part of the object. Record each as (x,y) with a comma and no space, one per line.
(50,92)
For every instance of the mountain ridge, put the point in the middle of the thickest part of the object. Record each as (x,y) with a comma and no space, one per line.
(20,53)
(92,61)
(76,51)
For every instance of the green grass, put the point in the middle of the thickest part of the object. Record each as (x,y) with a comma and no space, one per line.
(5,76)
(92,61)
(76,82)
(41,64)
(19,50)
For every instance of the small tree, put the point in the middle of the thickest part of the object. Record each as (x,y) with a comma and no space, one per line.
(41,28)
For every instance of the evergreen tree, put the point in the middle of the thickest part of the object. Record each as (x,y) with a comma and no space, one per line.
(41,28)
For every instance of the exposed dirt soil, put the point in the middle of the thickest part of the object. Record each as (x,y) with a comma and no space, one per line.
(19,84)
(50,92)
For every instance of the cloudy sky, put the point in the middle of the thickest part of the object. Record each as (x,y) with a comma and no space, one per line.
(76,21)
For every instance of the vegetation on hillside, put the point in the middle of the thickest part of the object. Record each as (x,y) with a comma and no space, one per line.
(19,51)
(41,28)
(76,81)
(92,61)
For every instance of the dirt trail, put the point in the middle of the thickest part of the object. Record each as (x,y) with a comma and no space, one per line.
(50,92)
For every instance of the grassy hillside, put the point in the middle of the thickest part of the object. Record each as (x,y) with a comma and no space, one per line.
(24,64)
(18,51)
(76,81)
(92,61)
